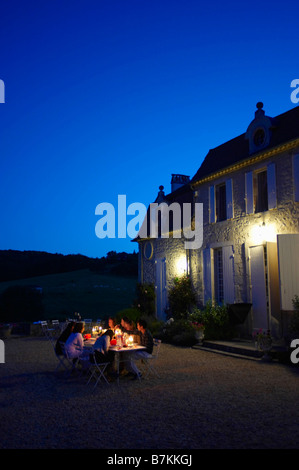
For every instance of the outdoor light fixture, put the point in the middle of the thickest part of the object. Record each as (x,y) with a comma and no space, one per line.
(181,265)
(262,233)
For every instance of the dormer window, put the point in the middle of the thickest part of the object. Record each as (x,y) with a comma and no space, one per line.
(259,131)
(259,138)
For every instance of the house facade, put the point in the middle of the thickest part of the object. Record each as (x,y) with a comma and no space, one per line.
(249,191)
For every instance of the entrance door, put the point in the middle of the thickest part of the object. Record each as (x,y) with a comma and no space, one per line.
(161,288)
(259,287)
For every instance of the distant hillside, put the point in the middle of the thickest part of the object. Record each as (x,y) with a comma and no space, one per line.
(24,264)
(59,296)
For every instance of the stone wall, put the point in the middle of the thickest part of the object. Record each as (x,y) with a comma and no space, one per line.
(170,248)
(241,231)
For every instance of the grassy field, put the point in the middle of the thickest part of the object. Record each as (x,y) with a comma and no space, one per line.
(92,295)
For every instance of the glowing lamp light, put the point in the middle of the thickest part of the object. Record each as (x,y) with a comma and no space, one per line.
(181,265)
(130,341)
(263,233)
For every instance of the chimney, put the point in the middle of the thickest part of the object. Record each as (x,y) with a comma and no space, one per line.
(177,181)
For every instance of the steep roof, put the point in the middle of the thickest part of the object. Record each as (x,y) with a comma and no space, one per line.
(285,127)
(181,196)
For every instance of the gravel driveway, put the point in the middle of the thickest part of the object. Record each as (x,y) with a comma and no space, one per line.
(202,400)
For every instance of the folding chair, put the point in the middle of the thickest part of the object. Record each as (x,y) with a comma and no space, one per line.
(149,363)
(97,370)
(55,327)
(71,363)
(46,330)
(63,361)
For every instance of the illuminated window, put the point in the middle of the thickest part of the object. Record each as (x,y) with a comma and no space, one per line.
(218,273)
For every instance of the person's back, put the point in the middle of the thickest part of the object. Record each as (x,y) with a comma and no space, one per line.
(102,344)
(64,337)
(146,340)
(74,344)
(101,350)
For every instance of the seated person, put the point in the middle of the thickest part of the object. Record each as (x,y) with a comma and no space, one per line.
(131,330)
(123,322)
(101,350)
(146,340)
(63,337)
(112,324)
(74,344)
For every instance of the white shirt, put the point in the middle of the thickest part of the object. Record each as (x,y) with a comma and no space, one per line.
(74,345)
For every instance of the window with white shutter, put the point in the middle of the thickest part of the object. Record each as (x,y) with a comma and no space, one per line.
(207,274)
(249,192)
(228,274)
(271,183)
(224,288)
(260,189)
(211,204)
(296,177)
(221,201)
(229,199)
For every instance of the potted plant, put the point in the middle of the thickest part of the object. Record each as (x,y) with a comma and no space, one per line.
(198,330)
(263,341)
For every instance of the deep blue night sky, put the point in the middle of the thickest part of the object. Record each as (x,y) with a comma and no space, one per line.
(105,98)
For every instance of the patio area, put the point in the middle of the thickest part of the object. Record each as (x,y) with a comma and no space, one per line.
(202,400)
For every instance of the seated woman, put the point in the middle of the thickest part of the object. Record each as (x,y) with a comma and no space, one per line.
(101,350)
(63,337)
(74,344)
(111,324)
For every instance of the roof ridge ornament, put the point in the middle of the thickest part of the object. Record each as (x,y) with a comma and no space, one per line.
(161,194)
(260,111)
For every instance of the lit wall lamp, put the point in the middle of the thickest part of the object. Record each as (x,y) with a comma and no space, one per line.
(263,233)
(181,265)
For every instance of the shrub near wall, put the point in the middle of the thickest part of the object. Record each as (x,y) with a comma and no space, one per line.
(216,321)
(181,297)
(178,332)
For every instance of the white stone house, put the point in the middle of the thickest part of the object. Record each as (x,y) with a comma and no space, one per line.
(249,188)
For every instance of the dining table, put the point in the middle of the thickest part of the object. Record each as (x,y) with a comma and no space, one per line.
(124,350)
(118,350)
